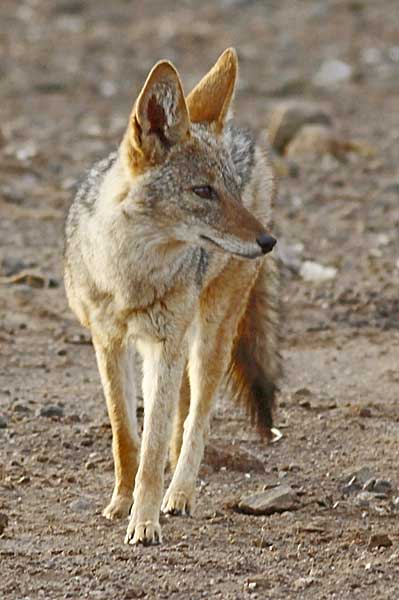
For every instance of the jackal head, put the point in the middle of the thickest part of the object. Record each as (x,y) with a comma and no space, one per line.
(181,171)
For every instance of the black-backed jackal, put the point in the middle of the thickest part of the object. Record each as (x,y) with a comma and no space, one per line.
(165,246)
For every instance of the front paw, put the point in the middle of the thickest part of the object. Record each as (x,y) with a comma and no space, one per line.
(178,503)
(118,508)
(143,532)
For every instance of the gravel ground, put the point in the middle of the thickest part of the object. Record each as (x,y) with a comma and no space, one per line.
(69,75)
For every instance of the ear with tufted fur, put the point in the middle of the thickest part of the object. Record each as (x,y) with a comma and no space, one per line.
(210,100)
(159,118)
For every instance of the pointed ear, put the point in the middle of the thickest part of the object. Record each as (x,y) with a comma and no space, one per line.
(210,100)
(159,118)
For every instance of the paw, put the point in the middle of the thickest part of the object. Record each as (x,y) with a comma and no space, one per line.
(144,532)
(177,503)
(118,508)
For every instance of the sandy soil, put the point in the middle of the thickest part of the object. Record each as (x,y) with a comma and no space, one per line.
(69,74)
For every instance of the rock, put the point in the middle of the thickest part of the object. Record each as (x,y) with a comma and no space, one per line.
(280,499)
(314,140)
(233,458)
(302,392)
(18,407)
(365,412)
(351,487)
(379,540)
(31,278)
(312,271)
(332,72)
(3,422)
(361,475)
(364,499)
(321,140)
(302,583)
(52,410)
(369,485)
(382,486)
(81,504)
(277,435)
(3,522)
(378,486)
(11,266)
(288,118)
(23,480)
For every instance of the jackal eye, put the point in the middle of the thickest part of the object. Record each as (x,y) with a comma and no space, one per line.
(205,191)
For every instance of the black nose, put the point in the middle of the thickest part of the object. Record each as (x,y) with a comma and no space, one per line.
(266,242)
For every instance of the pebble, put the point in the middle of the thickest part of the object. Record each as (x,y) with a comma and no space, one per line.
(332,72)
(3,522)
(52,410)
(379,540)
(315,140)
(21,408)
(3,422)
(382,486)
(361,475)
(313,272)
(81,504)
(365,412)
(288,118)
(280,499)
(364,499)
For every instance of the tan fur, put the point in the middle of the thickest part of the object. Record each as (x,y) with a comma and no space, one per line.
(164,255)
(210,100)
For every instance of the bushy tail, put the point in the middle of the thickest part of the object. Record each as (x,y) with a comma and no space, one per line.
(255,363)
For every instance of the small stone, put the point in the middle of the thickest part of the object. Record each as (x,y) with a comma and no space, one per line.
(332,72)
(361,475)
(288,118)
(90,465)
(302,392)
(364,499)
(3,422)
(351,487)
(382,486)
(302,583)
(52,410)
(313,272)
(317,141)
(3,522)
(87,441)
(365,412)
(24,479)
(369,485)
(233,458)
(280,499)
(379,540)
(81,504)
(21,408)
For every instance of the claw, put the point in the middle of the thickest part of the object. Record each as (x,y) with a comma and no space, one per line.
(146,533)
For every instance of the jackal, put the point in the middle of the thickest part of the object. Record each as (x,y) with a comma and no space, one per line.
(164,254)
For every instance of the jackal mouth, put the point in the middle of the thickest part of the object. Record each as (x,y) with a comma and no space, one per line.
(255,254)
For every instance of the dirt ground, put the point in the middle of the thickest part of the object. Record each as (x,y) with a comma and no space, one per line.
(69,72)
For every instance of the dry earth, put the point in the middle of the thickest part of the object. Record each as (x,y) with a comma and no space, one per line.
(69,73)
